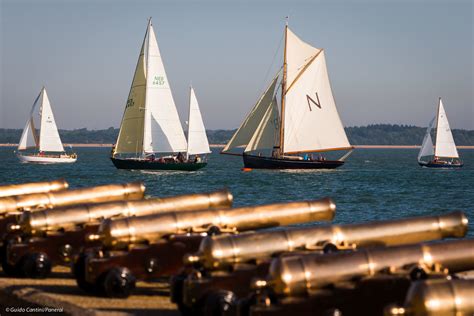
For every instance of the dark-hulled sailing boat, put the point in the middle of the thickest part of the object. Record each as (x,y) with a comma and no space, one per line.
(308,121)
(444,153)
(151,135)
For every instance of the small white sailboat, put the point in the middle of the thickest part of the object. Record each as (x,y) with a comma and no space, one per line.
(151,135)
(443,154)
(48,147)
(308,121)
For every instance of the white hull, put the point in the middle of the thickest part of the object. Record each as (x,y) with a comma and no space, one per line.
(47,159)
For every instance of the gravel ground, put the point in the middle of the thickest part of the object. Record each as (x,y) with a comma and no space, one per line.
(60,291)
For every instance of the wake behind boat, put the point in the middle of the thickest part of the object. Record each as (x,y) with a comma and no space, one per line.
(48,147)
(151,135)
(307,123)
(444,153)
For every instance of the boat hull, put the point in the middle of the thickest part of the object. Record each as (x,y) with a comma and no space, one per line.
(140,164)
(258,162)
(440,164)
(46,159)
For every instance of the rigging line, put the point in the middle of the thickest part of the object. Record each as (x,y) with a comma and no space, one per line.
(263,85)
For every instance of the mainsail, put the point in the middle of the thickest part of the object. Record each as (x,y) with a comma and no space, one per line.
(310,120)
(197,138)
(150,122)
(49,137)
(445,146)
(427,148)
(252,126)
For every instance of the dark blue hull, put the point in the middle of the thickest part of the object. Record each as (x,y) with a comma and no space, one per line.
(258,162)
(140,164)
(440,164)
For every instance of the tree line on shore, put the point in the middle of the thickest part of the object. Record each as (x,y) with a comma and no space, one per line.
(376,134)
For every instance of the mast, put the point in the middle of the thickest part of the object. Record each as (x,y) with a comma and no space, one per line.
(146,55)
(437,121)
(283,90)
(189,121)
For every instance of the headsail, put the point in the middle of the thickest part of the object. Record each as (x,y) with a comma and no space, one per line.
(29,138)
(130,138)
(49,139)
(445,146)
(249,127)
(427,148)
(311,121)
(197,138)
(163,131)
(266,134)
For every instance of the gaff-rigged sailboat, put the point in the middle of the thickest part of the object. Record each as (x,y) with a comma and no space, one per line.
(48,147)
(151,135)
(308,121)
(444,153)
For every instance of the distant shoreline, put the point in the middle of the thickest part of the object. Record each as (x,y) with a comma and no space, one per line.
(220,145)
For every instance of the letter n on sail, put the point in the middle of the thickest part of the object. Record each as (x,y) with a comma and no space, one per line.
(310,100)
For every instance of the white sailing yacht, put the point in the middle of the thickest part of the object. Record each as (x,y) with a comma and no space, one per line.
(151,135)
(48,146)
(444,153)
(308,121)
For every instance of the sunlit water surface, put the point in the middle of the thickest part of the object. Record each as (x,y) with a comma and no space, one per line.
(374,184)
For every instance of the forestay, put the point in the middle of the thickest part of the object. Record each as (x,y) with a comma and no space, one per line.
(246,131)
(445,146)
(427,148)
(311,120)
(49,137)
(197,138)
(162,131)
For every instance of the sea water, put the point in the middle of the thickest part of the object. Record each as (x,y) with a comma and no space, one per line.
(374,184)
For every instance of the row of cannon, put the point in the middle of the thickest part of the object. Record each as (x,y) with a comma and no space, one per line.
(253,260)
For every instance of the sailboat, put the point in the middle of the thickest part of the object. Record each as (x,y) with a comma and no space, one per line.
(48,147)
(151,135)
(307,123)
(444,153)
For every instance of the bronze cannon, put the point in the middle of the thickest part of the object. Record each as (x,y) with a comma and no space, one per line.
(67,217)
(362,282)
(225,265)
(225,249)
(442,297)
(103,193)
(129,230)
(33,187)
(55,236)
(299,275)
(154,245)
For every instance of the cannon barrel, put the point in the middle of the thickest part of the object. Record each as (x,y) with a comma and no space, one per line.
(33,187)
(65,217)
(437,298)
(103,193)
(153,227)
(227,249)
(300,275)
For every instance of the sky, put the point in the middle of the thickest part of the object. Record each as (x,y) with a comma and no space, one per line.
(388,61)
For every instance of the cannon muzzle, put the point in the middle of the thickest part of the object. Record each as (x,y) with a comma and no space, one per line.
(103,193)
(300,275)
(437,298)
(128,230)
(227,249)
(66,217)
(33,187)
